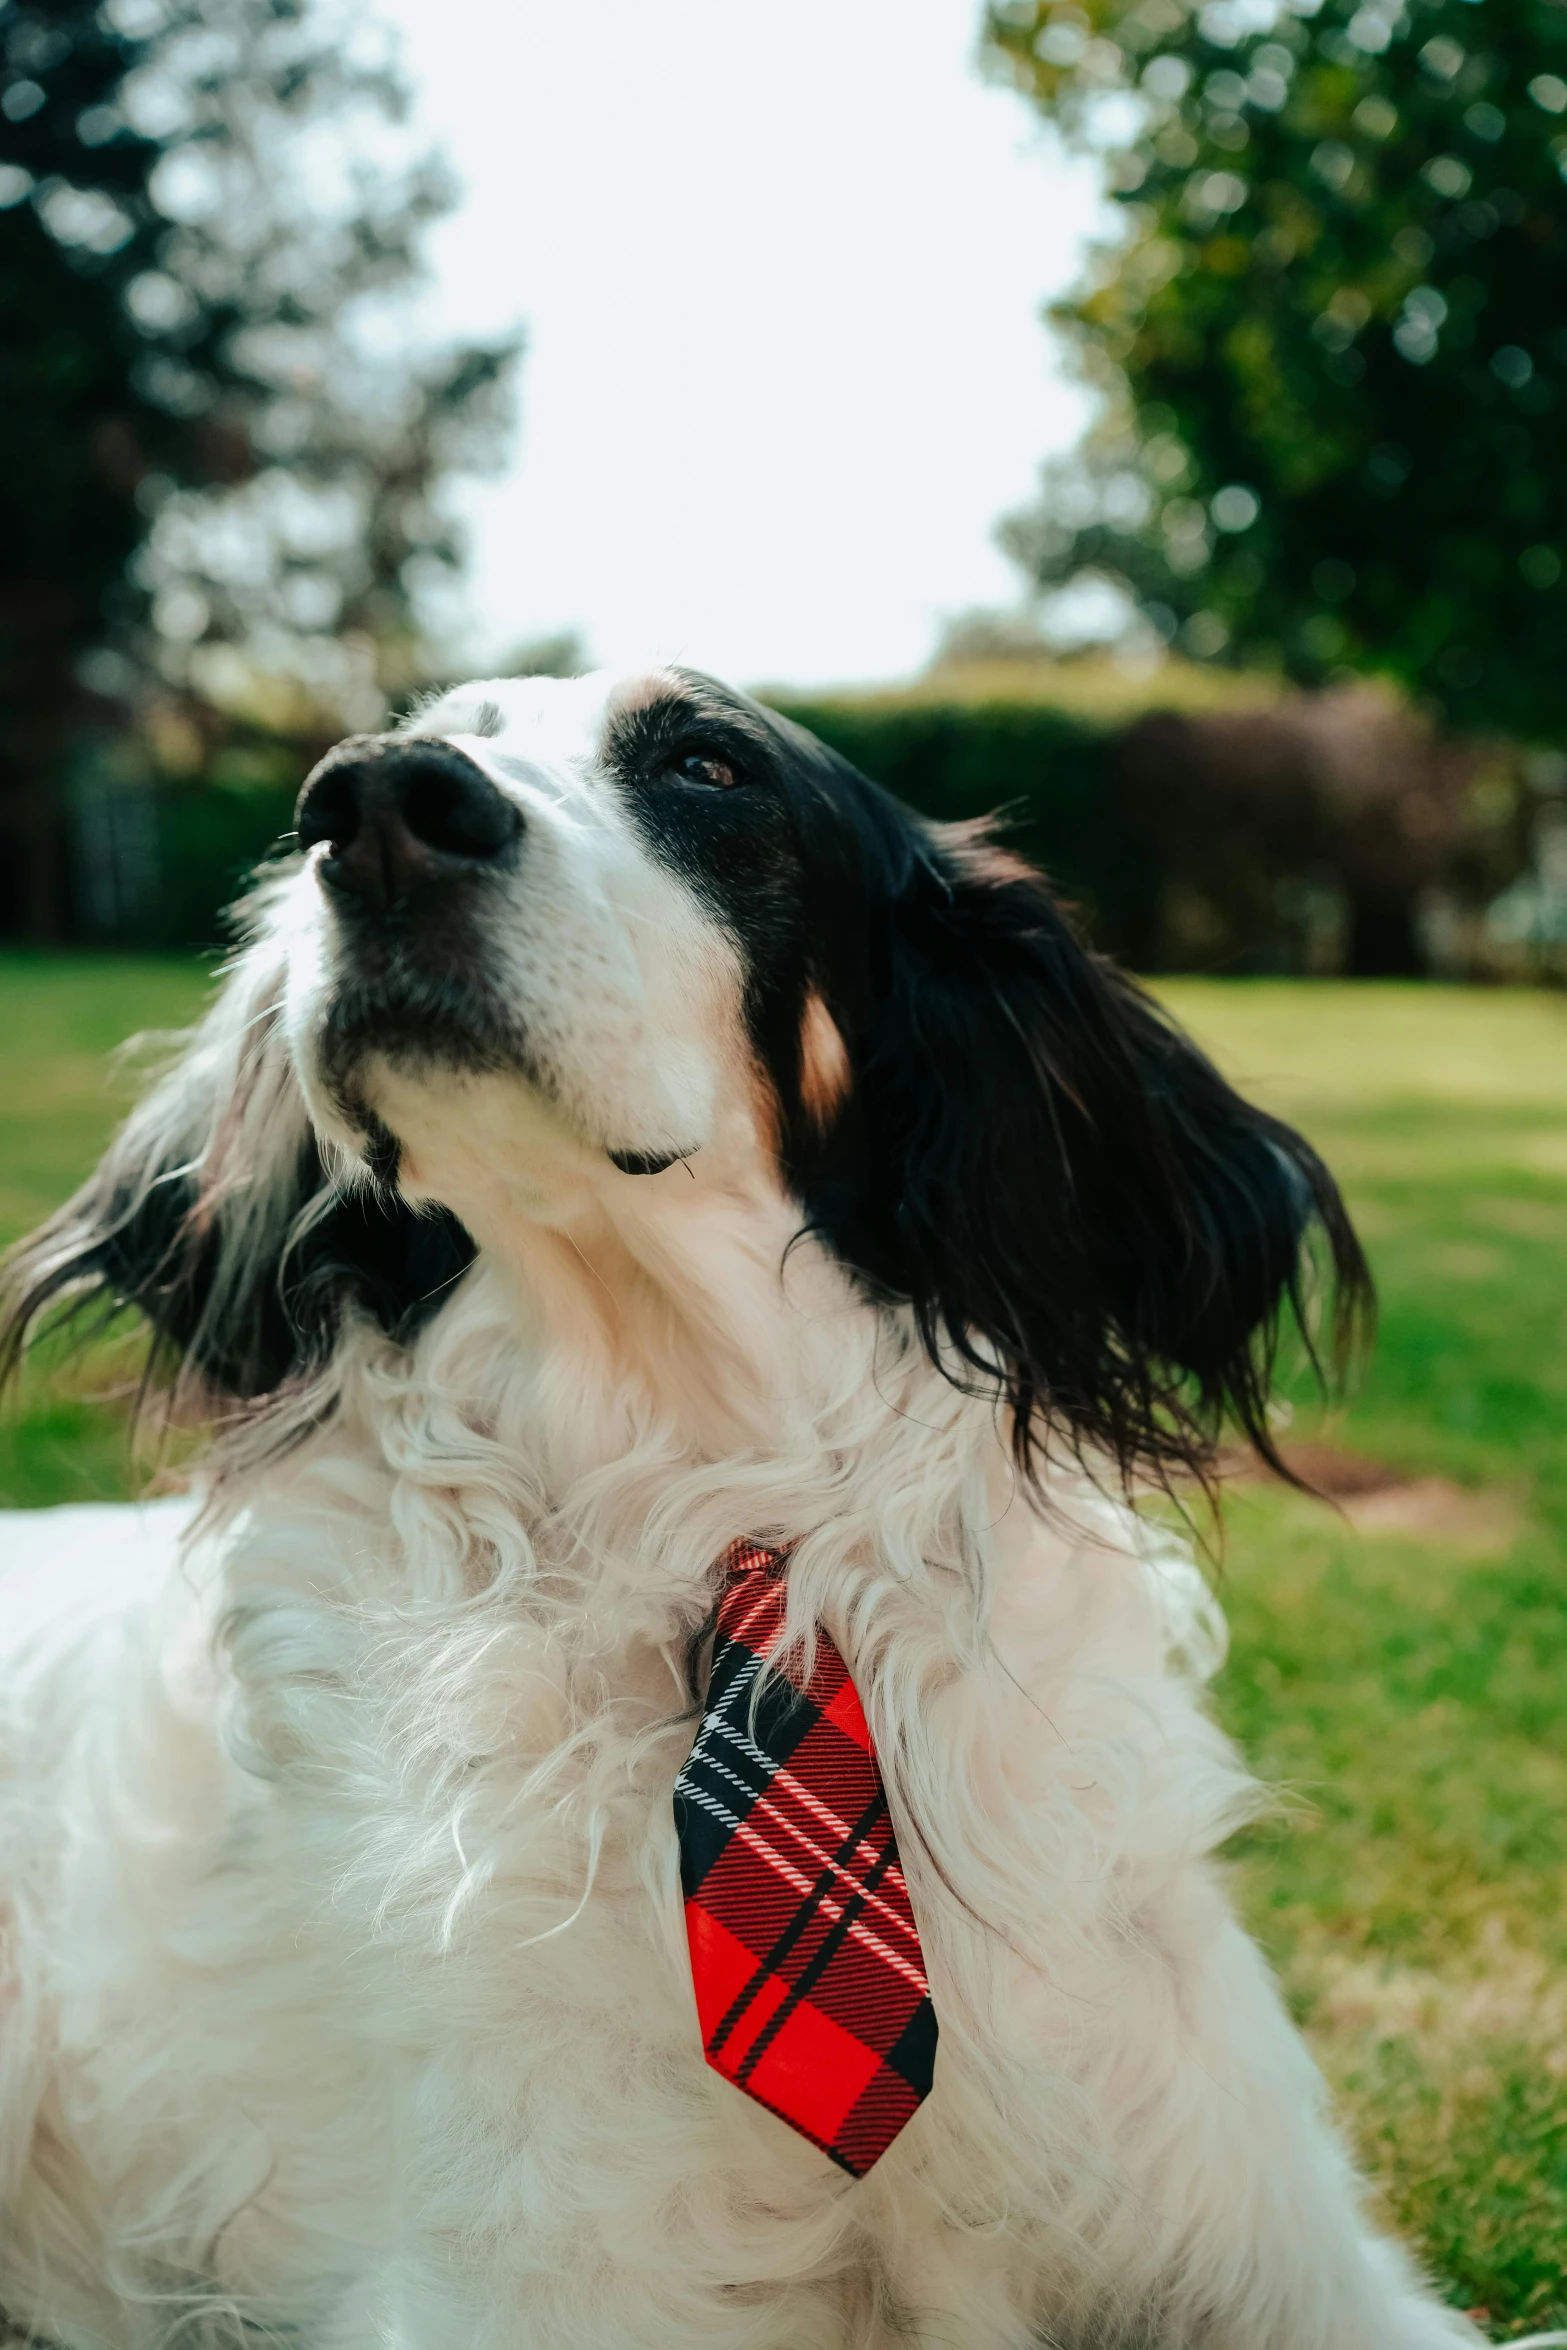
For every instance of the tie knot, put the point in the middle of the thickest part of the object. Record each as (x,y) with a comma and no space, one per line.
(745,1560)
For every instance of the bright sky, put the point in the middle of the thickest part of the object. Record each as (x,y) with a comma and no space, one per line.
(781,270)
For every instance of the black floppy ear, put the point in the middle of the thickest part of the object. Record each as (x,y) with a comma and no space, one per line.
(1069,1194)
(214,1213)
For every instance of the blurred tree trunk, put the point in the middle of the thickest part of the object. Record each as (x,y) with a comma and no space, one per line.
(40,699)
(1383,943)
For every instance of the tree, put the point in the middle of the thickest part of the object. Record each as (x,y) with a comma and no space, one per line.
(212,432)
(1331,337)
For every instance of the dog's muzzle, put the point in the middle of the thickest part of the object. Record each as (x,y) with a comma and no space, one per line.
(403,822)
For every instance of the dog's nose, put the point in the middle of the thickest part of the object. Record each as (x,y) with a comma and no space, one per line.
(399,817)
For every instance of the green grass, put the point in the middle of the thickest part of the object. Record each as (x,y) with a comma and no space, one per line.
(1409,1695)
(61,1094)
(1406,1695)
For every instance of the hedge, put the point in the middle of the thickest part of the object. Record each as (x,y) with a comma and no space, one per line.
(1285,835)
(1045,771)
(1051,777)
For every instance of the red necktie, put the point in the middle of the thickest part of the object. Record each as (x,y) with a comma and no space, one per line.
(810,1982)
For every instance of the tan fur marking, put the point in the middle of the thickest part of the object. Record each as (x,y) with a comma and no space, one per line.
(824,1062)
(640,693)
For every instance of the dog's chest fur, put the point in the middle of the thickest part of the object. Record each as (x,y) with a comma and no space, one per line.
(379,1827)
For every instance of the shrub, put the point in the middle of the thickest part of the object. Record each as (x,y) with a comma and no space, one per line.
(1049,774)
(1285,833)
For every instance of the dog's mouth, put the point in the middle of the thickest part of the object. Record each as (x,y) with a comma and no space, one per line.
(422,1022)
(412,997)
(399,1005)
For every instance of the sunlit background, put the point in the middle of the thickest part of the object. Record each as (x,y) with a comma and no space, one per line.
(1164,401)
(781,275)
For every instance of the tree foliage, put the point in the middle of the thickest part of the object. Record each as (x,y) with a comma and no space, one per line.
(214,429)
(1331,334)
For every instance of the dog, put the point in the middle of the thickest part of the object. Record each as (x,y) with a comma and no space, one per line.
(624,1132)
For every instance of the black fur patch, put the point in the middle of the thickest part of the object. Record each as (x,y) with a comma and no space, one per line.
(364,1251)
(1077,1206)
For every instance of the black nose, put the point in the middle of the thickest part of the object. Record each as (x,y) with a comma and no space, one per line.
(400,817)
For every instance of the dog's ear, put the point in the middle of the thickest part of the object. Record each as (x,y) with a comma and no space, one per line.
(215,1214)
(1074,1201)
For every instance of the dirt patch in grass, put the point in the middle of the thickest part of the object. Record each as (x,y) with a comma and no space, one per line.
(1505,1994)
(1377,1498)
(1524,1219)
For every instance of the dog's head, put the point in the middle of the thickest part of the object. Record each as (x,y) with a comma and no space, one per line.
(550,943)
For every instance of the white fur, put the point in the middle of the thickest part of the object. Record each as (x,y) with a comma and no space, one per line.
(343,1986)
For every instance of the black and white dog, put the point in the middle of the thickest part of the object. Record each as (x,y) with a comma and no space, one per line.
(628,1130)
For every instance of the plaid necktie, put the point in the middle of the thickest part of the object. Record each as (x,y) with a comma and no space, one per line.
(810,1982)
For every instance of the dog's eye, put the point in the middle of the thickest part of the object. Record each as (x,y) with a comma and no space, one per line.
(702,767)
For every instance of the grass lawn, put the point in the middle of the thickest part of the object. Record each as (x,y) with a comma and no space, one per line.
(1403,1688)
